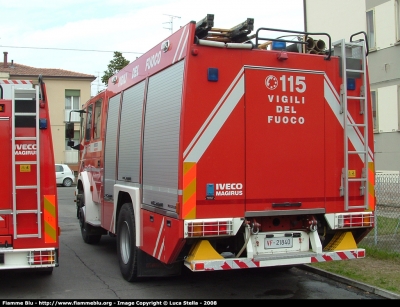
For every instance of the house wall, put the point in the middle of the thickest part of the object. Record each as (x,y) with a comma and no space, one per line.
(56,95)
(4,75)
(372,3)
(384,69)
(341,18)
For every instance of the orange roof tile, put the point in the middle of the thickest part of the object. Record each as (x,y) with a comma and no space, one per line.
(19,70)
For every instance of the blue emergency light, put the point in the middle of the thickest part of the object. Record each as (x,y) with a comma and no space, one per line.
(42,123)
(351,83)
(212,74)
(210,191)
(276,45)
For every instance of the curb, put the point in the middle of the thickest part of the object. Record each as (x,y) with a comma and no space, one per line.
(351,282)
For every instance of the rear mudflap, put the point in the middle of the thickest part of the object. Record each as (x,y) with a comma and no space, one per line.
(149,266)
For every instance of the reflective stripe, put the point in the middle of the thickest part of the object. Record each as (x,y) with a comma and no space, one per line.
(50,220)
(189,190)
(15,81)
(217,118)
(244,263)
(371,186)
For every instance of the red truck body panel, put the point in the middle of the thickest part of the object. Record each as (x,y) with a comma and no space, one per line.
(29,207)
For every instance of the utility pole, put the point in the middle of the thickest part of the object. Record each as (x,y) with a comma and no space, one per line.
(98,81)
(171,22)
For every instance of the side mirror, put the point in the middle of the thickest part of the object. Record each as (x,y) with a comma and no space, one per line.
(69,131)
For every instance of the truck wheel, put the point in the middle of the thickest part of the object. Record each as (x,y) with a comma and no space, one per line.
(79,203)
(126,243)
(86,229)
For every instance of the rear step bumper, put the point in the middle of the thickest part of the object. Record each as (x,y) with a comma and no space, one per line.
(203,257)
(273,260)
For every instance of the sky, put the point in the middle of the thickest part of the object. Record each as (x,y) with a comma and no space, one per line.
(82,35)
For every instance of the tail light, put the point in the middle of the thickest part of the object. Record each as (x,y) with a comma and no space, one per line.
(355,220)
(209,228)
(39,258)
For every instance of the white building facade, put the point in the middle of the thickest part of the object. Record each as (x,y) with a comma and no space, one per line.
(380,19)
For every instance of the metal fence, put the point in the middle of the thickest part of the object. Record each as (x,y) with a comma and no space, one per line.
(386,233)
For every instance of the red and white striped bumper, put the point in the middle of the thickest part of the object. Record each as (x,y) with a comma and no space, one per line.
(243,263)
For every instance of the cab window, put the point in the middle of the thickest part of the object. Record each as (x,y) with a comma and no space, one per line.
(97,120)
(88,130)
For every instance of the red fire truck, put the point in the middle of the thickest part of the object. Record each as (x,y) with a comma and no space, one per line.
(29,233)
(219,149)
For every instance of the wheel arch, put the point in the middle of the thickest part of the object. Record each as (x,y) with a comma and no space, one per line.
(79,186)
(127,194)
(83,184)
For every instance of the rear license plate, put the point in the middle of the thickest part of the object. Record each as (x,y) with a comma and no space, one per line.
(283,242)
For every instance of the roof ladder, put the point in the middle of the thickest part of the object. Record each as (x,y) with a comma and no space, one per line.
(353,66)
(25,111)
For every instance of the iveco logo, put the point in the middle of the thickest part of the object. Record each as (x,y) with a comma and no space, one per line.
(165,46)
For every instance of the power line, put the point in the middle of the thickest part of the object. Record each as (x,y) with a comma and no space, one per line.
(69,49)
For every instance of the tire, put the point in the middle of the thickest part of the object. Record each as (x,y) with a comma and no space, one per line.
(79,203)
(86,230)
(126,243)
(67,182)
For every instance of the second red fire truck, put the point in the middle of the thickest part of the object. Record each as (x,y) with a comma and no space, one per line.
(29,232)
(219,150)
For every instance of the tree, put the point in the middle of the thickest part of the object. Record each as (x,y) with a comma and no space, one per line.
(116,64)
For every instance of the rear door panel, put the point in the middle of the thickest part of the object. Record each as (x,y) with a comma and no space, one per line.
(285,129)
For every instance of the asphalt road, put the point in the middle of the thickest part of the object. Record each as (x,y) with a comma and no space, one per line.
(92,272)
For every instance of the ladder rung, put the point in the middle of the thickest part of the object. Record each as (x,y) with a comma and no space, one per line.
(26,138)
(27,187)
(26,211)
(25,162)
(355,70)
(20,92)
(25,114)
(356,125)
(353,44)
(28,236)
(356,207)
(358,179)
(357,152)
(356,97)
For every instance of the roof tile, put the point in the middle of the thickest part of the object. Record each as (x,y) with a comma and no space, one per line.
(16,69)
